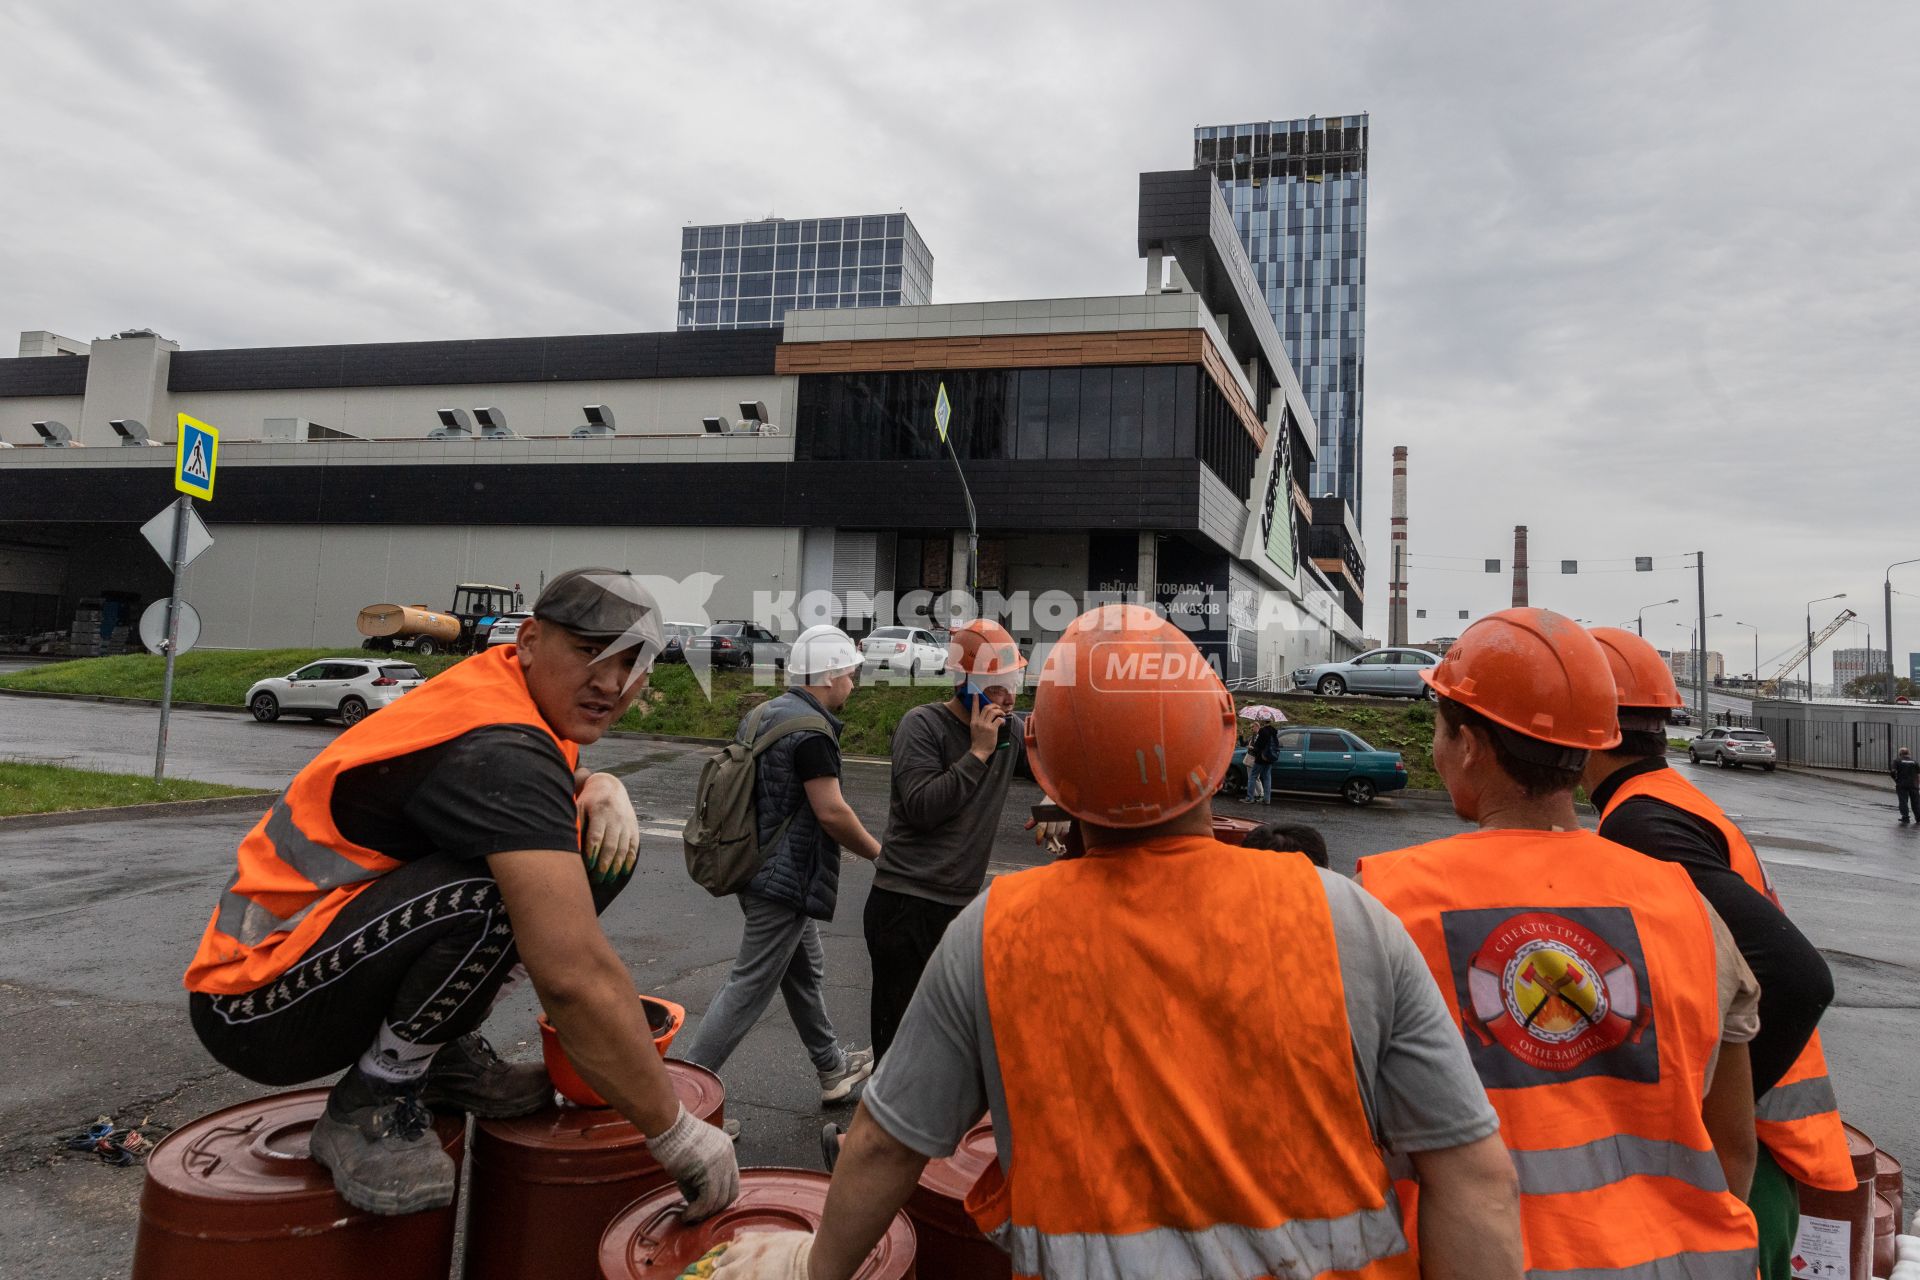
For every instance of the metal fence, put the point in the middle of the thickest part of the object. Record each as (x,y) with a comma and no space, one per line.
(1839,742)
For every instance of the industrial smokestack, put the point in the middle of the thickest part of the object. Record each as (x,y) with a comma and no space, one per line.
(1519,566)
(1397,591)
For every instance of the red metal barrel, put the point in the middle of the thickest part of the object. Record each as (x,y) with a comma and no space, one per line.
(1886,1225)
(546,1185)
(1232,830)
(1836,1227)
(650,1241)
(951,1246)
(236,1193)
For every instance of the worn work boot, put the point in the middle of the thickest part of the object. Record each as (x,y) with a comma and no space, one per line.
(855,1066)
(381,1147)
(467,1075)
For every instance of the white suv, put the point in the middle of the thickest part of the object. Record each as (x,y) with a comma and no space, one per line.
(1732,748)
(345,687)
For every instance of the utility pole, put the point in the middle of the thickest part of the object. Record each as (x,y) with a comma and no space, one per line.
(1700,652)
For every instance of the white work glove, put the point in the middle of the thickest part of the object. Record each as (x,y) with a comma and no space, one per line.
(700,1158)
(766,1255)
(610,839)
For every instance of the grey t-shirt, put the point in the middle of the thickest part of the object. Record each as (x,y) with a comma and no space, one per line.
(1416,1081)
(946,806)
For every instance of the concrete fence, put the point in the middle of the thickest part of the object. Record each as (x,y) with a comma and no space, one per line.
(1839,736)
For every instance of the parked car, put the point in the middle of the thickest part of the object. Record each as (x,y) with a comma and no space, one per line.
(1680,715)
(1394,672)
(1328,761)
(506,630)
(345,687)
(1733,748)
(738,644)
(904,651)
(677,634)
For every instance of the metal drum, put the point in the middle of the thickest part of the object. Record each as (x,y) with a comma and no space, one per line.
(651,1241)
(546,1185)
(236,1193)
(951,1246)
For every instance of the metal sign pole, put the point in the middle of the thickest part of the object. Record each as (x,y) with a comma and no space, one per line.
(181,508)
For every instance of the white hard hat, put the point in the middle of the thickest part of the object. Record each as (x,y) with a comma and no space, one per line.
(822,650)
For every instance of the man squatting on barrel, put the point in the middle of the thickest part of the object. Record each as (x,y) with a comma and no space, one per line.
(393,892)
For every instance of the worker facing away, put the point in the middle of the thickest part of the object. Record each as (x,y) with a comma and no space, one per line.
(1906,784)
(1649,807)
(1158,1111)
(381,906)
(1606,1008)
(803,820)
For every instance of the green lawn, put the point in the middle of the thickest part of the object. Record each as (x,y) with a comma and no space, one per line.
(26,787)
(673,704)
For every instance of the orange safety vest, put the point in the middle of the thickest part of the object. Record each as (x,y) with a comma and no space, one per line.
(1583,978)
(1178,1070)
(1798,1118)
(297,871)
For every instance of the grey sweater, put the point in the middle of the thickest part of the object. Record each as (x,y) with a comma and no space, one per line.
(945,809)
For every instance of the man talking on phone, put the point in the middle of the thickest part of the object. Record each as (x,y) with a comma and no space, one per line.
(953,763)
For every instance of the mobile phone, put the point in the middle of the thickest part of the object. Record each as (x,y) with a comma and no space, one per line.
(970,697)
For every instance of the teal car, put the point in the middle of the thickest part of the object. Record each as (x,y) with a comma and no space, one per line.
(1328,761)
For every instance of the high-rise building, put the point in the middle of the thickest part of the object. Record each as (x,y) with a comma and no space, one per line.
(748,275)
(1851,664)
(1298,191)
(1680,662)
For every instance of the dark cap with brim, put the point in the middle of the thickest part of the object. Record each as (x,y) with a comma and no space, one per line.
(603,604)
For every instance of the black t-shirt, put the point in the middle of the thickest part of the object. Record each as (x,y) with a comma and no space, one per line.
(491,790)
(1795,983)
(816,756)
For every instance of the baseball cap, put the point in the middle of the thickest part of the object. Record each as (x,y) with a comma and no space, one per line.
(604,604)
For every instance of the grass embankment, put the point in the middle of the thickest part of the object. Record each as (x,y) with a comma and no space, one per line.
(26,787)
(674,703)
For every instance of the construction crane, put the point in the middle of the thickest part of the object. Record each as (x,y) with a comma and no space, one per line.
(1771,684)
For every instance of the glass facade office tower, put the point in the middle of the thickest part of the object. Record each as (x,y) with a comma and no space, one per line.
(1298,191)
(748,275)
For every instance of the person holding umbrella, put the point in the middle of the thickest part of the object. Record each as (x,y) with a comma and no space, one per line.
(1263,750)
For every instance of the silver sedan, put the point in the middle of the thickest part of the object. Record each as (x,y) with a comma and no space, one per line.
(1392,672)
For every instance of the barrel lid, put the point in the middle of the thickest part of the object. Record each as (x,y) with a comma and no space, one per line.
(1232,830)
(1861,1149)
(1888,1176)
(588,1132)
(954,1177)
(246,1171)
(651,1240)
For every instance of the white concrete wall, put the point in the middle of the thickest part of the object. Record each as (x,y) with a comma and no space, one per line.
(19,413)
(271,586)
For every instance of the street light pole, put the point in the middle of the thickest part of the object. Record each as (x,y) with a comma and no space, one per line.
(1893,684)
(1756,647)
(1810,604)
(1640,618)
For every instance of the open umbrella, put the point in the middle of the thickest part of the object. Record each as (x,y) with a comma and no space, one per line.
(1257,711)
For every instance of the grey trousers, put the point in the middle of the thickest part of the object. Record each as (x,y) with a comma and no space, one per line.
(780,949)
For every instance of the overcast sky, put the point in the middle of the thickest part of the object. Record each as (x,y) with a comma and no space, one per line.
(1641,277)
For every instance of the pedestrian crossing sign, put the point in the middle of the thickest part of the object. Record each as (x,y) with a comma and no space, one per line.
(196,452)
(942,413)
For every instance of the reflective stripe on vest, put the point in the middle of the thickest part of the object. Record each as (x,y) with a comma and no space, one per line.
(1109,1004)
(295,871)
(1583,978)
(1729,1264)
(1799,1118)
(1303,1247)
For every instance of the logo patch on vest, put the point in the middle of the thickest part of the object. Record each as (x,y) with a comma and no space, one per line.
(1548,995)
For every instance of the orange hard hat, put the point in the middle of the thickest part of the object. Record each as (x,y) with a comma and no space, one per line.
(1639,672)
(1536,673)
(983,649)
(1131,725)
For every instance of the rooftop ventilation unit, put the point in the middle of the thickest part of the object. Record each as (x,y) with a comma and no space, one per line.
(493,424)
(599,422)
(55,435)
(715,426)
(132,431)
(454,425)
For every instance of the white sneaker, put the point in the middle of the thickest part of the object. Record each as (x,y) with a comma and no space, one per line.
(855,1066)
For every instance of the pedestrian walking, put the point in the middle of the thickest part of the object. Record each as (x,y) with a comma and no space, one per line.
(386,900)
(1906,785)
(1262,752)
(1605,1005)
(1651,808)
(803,821)
(1157,1112)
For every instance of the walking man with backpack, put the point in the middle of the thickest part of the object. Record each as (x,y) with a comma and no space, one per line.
(801,821)
(1261,753)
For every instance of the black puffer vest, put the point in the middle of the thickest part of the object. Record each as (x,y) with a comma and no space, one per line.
(802,871)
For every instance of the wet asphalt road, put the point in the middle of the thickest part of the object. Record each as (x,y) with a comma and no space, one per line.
(97,919)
